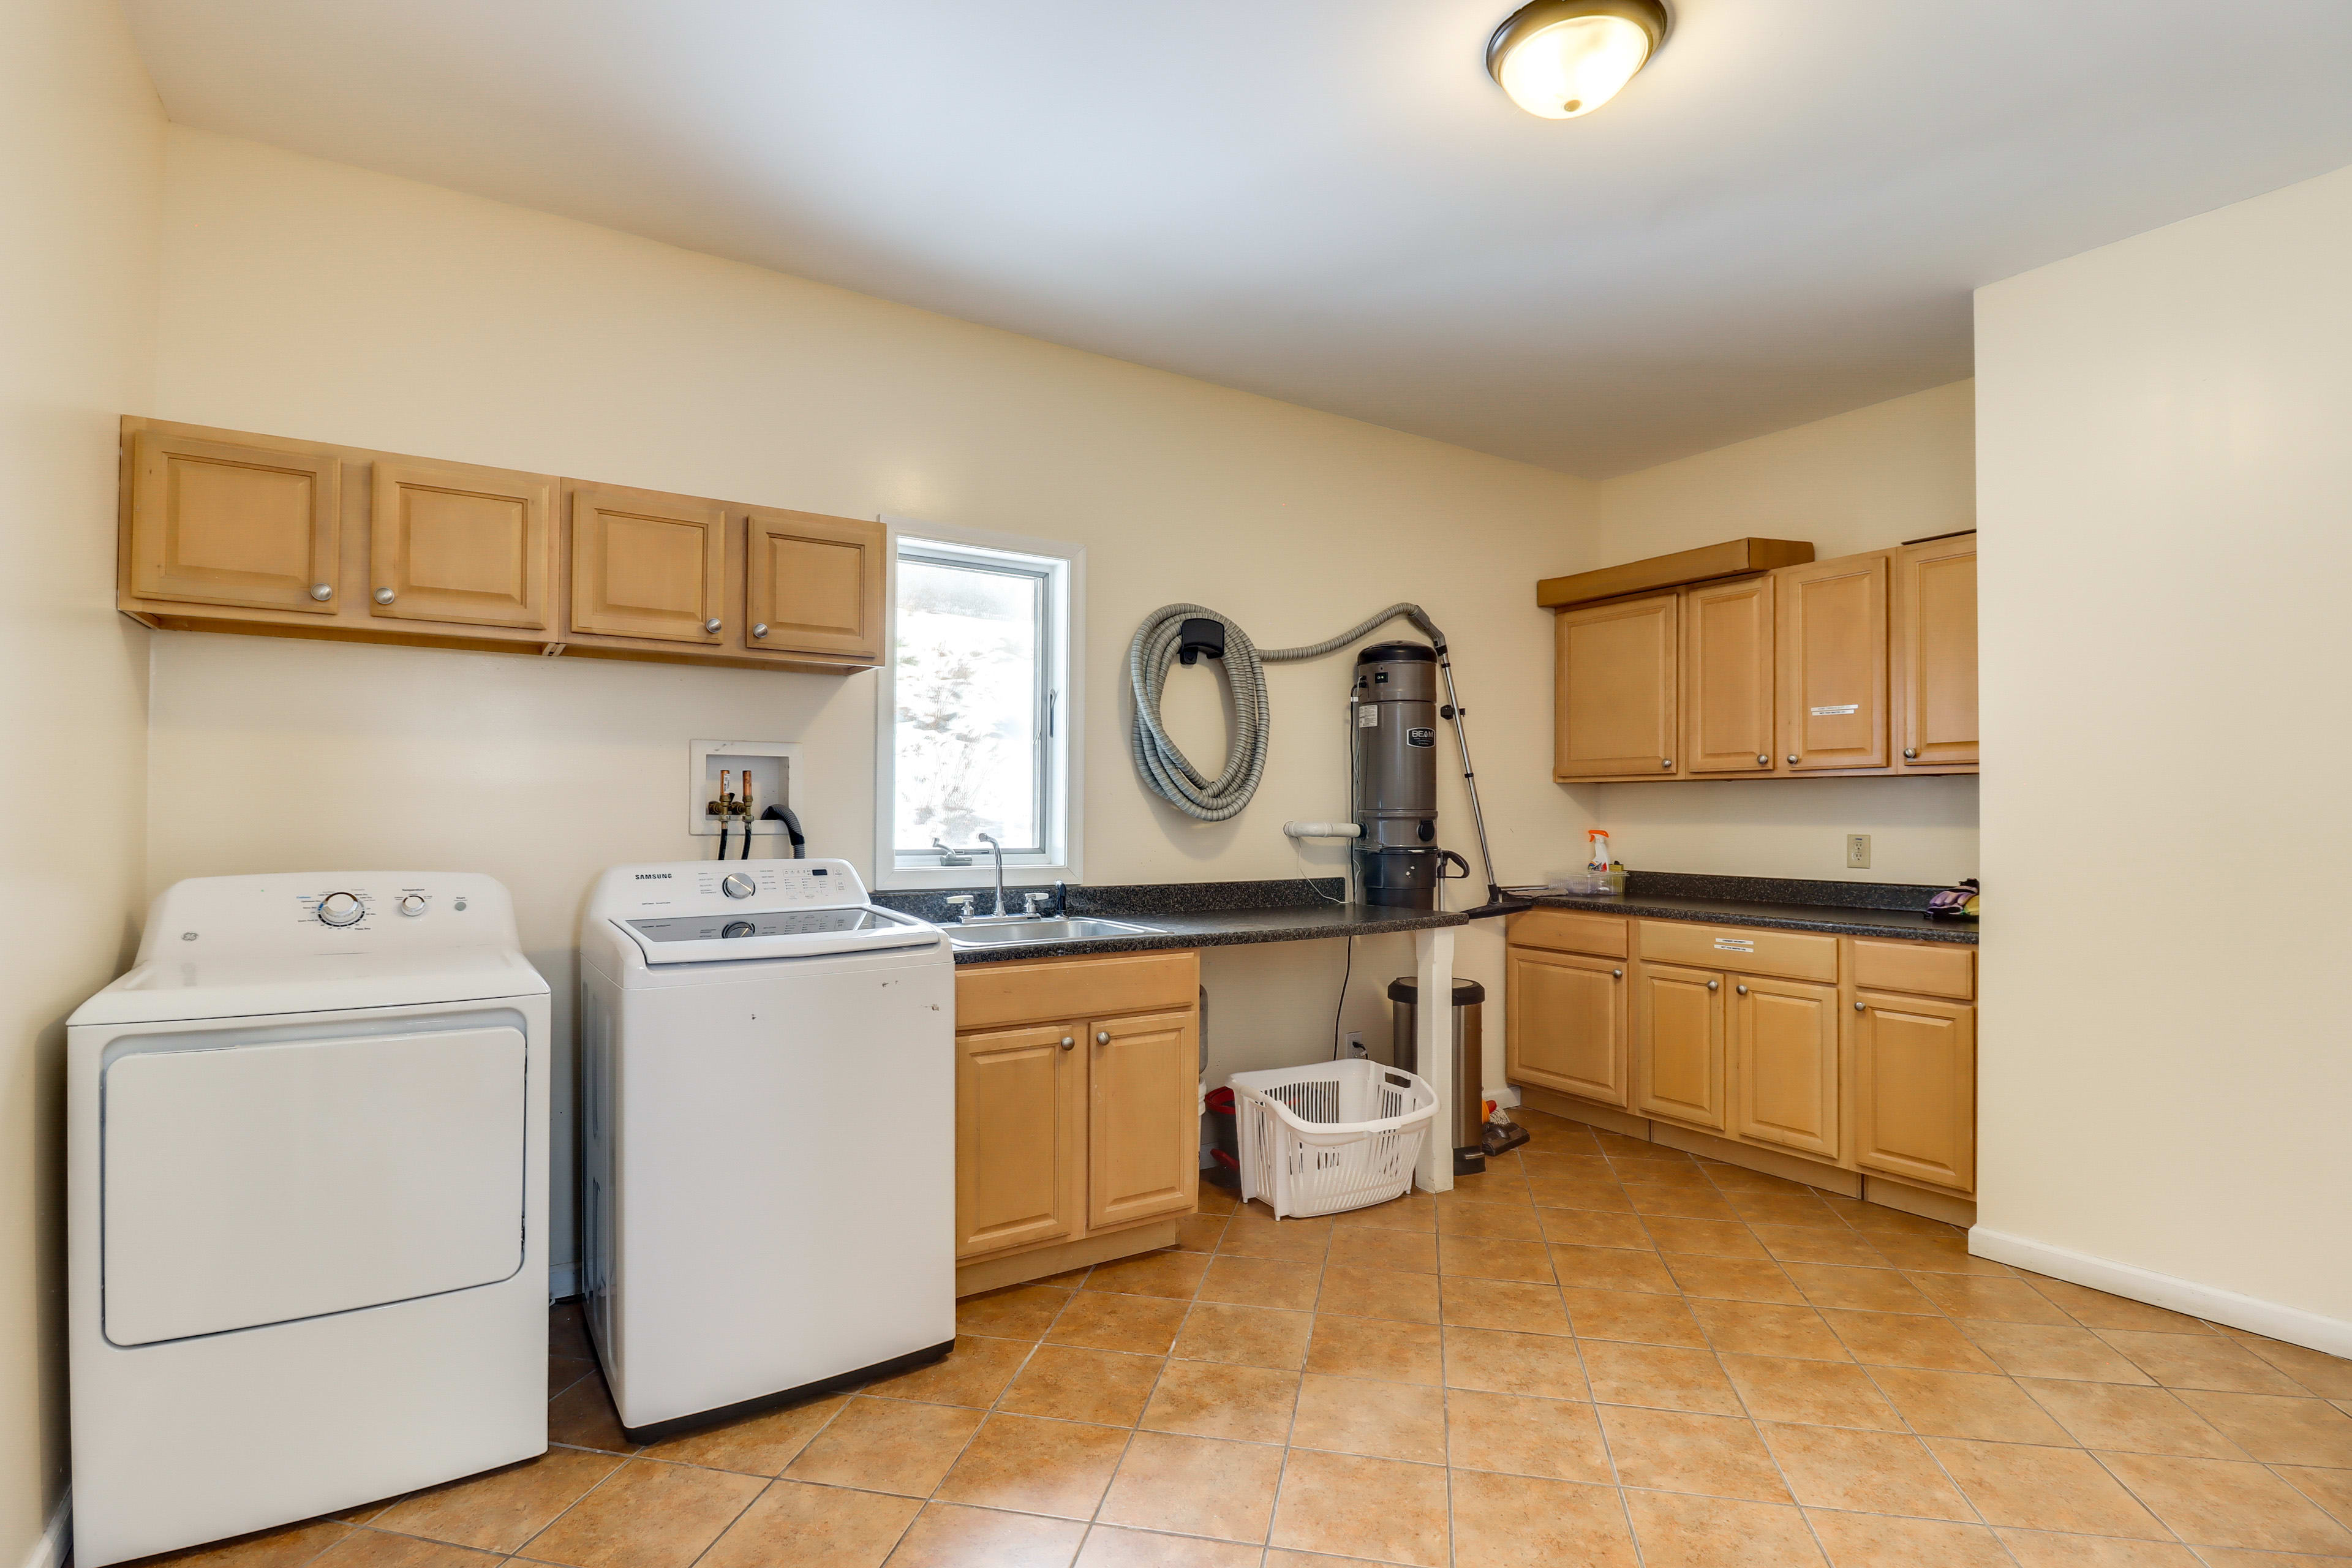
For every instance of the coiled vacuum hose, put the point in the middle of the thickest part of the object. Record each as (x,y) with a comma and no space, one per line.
(1162,764)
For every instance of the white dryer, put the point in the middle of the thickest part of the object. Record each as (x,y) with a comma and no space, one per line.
(306,1206)
(767,1134)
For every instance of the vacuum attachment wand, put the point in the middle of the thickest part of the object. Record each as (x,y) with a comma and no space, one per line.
(1497,901)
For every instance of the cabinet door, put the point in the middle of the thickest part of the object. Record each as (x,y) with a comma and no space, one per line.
(460,544)
(1613,698)
(1936,612)
(1916,1088)
(1143,1122)
(213,523)
(1784,1053)
(1566,1023)
(1020,1138)
(813,584)
(1678,1045)
(1727,677)
(1831,655)
(646,565)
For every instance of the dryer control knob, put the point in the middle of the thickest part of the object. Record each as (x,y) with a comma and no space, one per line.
(738,885)
(412,904)
(739,927)
(341,909)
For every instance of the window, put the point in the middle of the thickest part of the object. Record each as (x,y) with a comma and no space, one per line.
(978,707)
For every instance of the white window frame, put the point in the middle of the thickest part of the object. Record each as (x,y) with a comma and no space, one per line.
(1065,792)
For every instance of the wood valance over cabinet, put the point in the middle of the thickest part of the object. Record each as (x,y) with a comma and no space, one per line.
(226,530)
(1864,664)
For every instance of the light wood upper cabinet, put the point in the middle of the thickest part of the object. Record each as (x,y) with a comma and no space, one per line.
(1615,692)
(1727,677)
(813,584)
(1935,608)
(1143,1122)
(1915,1082)
(1832,659)
(221,522)
(1020,1139)
(1678,1050)
(1565,1023)
(460,545)
(1784,1053)
(646,565)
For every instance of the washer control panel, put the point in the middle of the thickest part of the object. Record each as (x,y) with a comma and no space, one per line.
(728,887)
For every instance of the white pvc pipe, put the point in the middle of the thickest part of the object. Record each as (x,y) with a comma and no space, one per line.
(1322,829)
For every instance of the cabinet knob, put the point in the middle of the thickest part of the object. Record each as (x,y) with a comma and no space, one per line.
(1715,986)
(1763,760)
(711,625)
(384,595)
(1616,975)
(1102,1037)
(322,592)
(761,630)
(1069,1042)
(1792,756)
(1666,763)
(1742,989)
(1911,752)
(1857,1008)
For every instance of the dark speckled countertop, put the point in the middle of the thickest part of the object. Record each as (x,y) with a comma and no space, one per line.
(1842,909)
(1188,915)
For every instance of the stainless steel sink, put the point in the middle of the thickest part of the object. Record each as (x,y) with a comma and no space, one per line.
(1022,932)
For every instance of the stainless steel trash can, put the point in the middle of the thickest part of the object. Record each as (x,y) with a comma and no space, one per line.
(1469,1062)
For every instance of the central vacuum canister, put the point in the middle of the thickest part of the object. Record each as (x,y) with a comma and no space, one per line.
(1394,707)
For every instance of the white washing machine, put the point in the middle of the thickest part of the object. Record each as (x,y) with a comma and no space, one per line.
(306,1206)
(768,1137)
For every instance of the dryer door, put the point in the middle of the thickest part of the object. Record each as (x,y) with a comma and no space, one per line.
(257,1183)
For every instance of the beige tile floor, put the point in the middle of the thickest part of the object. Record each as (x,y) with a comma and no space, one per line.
(1600,1353)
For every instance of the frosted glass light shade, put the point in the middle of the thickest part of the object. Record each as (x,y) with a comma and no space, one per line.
(1562,59)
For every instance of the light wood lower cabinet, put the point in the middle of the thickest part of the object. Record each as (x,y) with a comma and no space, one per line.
(1078,1104)
(1856,1053)
(1679,1057)
(1574,1036)
(1784,1064)
(227,530)
(1915,1088)
(1143,1149)
(1020,1138)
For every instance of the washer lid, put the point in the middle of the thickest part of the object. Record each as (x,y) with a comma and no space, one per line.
(733,936)
(243,984)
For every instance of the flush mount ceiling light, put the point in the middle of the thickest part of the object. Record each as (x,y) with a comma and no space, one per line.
(1561,58)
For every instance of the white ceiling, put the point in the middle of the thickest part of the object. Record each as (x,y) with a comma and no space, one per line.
(1328,201)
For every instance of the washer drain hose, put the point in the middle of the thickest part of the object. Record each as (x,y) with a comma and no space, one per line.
(1162,763)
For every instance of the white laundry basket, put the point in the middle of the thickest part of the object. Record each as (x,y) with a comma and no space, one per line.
(1330,1136)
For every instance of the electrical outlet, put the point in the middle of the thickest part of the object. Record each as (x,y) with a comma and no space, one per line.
(1857,851)
(1356,1043)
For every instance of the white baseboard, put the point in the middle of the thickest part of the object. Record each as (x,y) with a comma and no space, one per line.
(2292,1324)
(56,1543)
(562,1281)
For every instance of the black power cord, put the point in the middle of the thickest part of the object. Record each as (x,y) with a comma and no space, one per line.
(1341,1006)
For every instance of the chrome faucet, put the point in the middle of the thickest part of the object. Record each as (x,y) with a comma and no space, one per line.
(998,850)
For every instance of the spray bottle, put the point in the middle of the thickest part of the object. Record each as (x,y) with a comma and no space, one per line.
(1598,861)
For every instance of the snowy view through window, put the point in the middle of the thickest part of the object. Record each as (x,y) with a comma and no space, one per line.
(968,731)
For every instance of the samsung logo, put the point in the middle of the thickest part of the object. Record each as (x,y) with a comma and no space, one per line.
(652,876)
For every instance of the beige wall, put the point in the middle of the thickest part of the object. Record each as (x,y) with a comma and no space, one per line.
(80,170)
(2165,471)
(307,298)
(1862,480)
